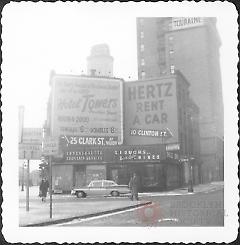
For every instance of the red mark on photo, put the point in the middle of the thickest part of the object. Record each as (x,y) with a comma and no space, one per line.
(149,214)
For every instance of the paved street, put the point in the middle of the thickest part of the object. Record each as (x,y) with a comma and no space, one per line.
(202,209)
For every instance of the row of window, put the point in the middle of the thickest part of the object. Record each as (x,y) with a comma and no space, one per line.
(172,71)
(171,52)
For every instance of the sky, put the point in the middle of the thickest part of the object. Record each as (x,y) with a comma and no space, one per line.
(40,37)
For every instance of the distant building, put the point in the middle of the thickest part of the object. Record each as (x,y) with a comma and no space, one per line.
(190,45)
(100,62)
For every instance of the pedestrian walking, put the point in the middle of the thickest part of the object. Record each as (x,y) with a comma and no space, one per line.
(133,185)
(43,189)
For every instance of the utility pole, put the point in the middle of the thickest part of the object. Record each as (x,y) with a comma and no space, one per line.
(27,187)
(23,172)
(50,184)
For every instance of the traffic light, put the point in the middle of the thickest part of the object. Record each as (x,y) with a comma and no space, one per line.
(44,168)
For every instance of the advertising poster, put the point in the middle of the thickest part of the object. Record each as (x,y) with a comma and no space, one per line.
(87,106)
(151,111)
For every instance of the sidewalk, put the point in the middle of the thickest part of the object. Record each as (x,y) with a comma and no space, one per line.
(67,207)
(201,188)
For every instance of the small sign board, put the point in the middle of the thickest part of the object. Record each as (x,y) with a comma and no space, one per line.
(50,146)
(173,147)
(30,151)
(32,135)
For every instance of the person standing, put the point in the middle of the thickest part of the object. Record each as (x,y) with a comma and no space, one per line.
(44,189)
(133,185)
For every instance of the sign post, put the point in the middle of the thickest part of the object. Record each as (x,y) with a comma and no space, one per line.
(30,147)
(27,187)
(50,148)
(23,174)
(50,185)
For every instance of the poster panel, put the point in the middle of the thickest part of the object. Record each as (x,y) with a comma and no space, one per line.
(151,108)
(89,106)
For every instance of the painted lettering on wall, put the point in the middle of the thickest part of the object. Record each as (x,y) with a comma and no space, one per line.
(150,100)
(151,106)
(183,22)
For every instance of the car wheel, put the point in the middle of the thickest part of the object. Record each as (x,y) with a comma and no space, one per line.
(81,194)
(115,193)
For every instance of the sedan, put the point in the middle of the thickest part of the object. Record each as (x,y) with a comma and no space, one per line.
(101,188)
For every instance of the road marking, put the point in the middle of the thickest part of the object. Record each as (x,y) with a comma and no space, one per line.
(165,194)
(97,217)
(168,219)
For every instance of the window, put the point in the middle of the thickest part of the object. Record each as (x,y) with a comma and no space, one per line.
(172,69)
(171,52)
(97,184)
(109,183)
(170,38)
(143,74)
(142,62)
(141,34)
(142,47)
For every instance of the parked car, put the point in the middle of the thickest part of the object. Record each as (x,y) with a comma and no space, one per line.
(101,188)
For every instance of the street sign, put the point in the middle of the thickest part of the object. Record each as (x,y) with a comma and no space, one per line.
(32,136)
(173,147)
(29,151)
(50,147)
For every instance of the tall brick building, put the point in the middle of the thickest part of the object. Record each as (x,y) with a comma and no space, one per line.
(190,45)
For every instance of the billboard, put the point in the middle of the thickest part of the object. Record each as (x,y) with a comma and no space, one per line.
(151,111)
(87,106)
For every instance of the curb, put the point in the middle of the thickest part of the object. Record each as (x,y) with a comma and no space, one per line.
(59,221)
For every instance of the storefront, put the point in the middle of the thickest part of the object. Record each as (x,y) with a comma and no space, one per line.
(161,176)
(156,171)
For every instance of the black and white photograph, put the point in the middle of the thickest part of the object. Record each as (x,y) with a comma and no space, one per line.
(119,122)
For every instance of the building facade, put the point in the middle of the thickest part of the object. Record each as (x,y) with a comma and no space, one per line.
(190,45)
(108,129)
(140,126)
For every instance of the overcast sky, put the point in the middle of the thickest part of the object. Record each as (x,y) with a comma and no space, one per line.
(38,37)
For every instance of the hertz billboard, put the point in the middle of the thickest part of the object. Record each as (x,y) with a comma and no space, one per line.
(151,110)
(87,107)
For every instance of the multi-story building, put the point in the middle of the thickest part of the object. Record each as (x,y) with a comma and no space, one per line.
(152,107)
(190,45)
